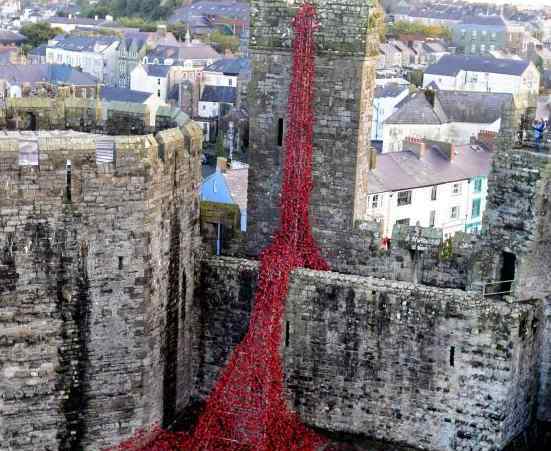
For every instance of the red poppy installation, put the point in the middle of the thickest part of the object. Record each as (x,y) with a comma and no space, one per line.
(247,411)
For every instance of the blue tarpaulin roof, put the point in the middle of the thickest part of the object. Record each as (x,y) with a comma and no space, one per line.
(215,189)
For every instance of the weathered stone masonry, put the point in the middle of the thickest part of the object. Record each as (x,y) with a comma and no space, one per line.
(432,368)
(345,80)
(96,278)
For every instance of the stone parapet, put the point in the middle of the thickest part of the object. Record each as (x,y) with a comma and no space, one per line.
(97,264)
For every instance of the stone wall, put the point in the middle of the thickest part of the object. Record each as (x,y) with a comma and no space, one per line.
(518,220)
(431,368)
(89,115)
(544,398)
(96,280)
(343,25)
(222,308)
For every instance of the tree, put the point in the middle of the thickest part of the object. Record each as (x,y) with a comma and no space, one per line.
(39,33)
(146,10)
(429,31)
(219,146)
(223,42)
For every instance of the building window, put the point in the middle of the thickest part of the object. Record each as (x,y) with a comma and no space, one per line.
(158,93)
(456,188)
(477,185)
(473,48)
(230,82)
(454,213)
(375,201)
(404,221)
(432,218)
(404,198)
(433,193)
(475,212)
(494,36)
(482,48)
(159,81)
(280,131)
(492,47)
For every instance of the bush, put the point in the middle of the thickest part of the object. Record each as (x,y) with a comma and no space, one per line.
(429,31)
(39,33)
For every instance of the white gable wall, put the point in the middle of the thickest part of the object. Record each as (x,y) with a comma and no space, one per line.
(458,133)
(394,134)
(419,211)
(383,108)
(141,81)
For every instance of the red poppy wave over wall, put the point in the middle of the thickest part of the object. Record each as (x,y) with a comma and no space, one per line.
(247,410)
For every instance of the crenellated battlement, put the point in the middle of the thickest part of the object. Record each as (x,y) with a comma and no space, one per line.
(98,231)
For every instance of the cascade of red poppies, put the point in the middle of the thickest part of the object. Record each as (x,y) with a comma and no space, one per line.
(247,410)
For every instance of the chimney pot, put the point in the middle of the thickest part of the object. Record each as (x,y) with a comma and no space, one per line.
(221,164)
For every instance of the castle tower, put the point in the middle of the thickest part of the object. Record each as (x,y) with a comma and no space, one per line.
(518,217)
(347,45)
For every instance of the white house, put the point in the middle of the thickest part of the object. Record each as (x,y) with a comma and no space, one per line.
(190,54)
(226,72)
(520,78)
(214,97)
(448,116)
(95,55)
(151,78)
(71,23)
(384,104)
(431,185)
(15,78)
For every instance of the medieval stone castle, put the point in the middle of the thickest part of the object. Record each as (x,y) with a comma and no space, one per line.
(112,318)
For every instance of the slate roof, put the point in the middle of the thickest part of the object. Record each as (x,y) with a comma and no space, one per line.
(191,51)
(404,170)
(416,109)
(450,106)
(496,21)
(224,94)
(230,66)
(53,73)
(451,65)
(84,43)
(157,70)
(39,51)
(110,93)
(9,37)
(234,10)
(390,90)
(76,20)
(474,107)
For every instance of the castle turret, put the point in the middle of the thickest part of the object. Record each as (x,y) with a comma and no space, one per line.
(345,77)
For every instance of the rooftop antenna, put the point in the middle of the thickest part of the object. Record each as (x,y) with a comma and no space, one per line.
(188,36)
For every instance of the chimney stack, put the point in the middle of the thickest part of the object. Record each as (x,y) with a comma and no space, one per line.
(221,164)
(430,96)
(416,145)
(372,158)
